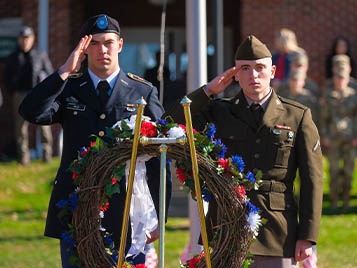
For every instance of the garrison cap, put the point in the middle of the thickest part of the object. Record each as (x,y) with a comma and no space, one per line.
(252,49)
(300,59)
(26,31)
(340,59)
(100,24)
(341,71)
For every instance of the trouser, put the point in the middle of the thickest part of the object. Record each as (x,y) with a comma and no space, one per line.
(22,133)
(341,177)
(273,262)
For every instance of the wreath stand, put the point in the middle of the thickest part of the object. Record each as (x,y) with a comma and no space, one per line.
(161,142)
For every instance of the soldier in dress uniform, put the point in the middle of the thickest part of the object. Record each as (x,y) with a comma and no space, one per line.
(338,131)
(272,134)
(86,104)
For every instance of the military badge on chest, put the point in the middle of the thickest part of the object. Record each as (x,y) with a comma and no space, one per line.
(283,133)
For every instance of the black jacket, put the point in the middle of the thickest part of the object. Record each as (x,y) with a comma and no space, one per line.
(16,72)
(74,104)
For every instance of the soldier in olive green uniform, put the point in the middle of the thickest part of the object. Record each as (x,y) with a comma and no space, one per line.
(296,91)
(338,131)
(277,137)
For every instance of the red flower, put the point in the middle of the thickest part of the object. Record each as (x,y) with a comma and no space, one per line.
(75,175)
(192,262)
(181,175)
(92,144)
(84,152)
(194,130)
(183,127)
(148,129)
(141,266)
(114,181)
(105,207)
(240,191)
(224,163)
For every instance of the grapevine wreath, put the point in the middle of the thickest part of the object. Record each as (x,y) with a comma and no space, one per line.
(100,166)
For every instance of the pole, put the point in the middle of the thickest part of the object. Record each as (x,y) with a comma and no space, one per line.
(163,150)
(186,102)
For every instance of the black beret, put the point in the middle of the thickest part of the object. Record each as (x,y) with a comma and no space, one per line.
(100,24)
(252,49)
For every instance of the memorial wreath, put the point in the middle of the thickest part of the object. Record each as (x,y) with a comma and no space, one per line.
(100,166)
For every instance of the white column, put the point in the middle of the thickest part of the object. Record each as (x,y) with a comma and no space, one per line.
(196,33)
(43,25)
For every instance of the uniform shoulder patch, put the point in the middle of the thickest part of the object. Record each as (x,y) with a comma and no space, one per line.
(293,103)
(139,79)
(75,75)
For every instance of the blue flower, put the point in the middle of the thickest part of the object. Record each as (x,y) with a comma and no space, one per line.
(65,237)
(252,208)
(211,131)
(222,151)
(162,121)
(168,160)
(62,203)
(109,241)
(73,201)
(239,162)
(206,195)
(250,176)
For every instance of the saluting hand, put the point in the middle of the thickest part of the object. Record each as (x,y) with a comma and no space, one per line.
(74,61)
(222,81)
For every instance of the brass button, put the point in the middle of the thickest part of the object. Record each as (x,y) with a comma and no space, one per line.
(101,133)
(102,116)
(75,113)
(256,156)
(258,140)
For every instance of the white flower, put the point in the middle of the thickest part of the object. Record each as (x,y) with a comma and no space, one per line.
(101,214)
(176,132)
(131,122)
(101,228)
(254,221)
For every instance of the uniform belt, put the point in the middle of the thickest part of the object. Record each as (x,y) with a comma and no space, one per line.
(273,186)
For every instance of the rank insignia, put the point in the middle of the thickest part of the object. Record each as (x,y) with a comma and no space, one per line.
(139,79)
(282,127)
(290,135)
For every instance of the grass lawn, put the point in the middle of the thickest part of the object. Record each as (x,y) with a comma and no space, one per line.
(24,195)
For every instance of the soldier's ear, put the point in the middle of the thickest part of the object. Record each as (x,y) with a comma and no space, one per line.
(273,69)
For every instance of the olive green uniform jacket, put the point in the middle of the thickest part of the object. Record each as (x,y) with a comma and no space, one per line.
(286,140)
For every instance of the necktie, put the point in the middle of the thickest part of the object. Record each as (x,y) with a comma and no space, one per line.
(103,87)
(257,112)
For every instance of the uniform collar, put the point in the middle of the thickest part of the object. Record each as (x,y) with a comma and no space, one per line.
(264,102)
(111,79)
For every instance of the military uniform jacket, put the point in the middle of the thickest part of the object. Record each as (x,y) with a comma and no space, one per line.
(74,104)
(286,140)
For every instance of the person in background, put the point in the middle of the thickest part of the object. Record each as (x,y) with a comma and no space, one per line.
(88,103)
(286,46)
(338,128)
(300,62)
(340,46)
(25,68)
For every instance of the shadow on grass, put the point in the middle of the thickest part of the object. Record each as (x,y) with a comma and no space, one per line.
(327,210)
(177,228)
(21,238)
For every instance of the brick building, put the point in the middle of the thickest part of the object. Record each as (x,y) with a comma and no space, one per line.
(315,22)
